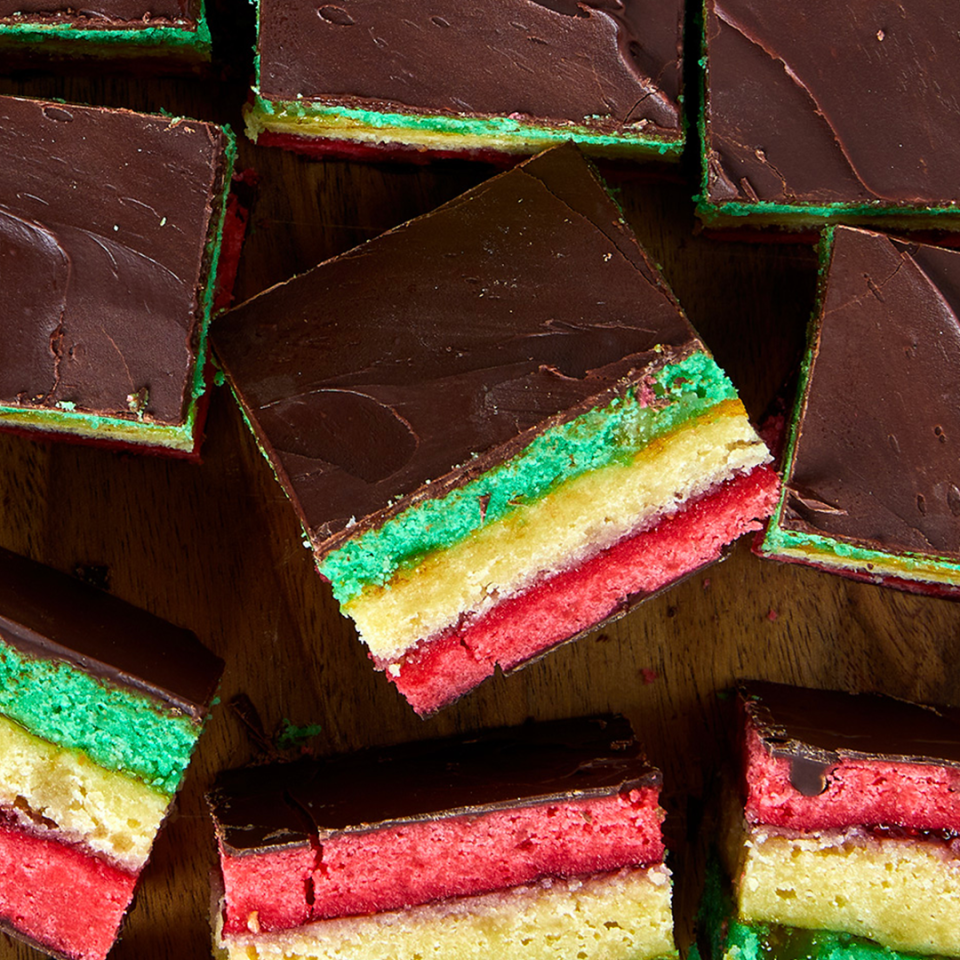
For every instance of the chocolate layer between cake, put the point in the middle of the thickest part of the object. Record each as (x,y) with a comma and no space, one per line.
(870,472)
(814,115)
(110,231)
(497,427)
(482,79)
(101,705)
(844,836)
(436,848)
(167,30)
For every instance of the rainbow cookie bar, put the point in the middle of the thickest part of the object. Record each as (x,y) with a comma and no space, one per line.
(111,224)
(485,79)
(159,31)
(497,427)
(845,845)
(870,482)
(812,116)
(540,842)
(100,707)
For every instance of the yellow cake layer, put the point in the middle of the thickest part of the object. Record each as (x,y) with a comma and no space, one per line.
(583,516)
(904,894)
(624,916)
(62,789)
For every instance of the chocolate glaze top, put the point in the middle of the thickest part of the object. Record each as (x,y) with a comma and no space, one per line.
(422,358)
(291,803)
(126,13)
(816,729)
(104,215)
(877,458)
(48,615)
(860,105)
(608,60)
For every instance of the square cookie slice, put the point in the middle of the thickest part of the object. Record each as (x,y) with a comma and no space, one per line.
(111,224)
(540,841)
(496,425)
(843,843)
(485,79)
(156,33)
(814,115)
(870,472)
(101,704)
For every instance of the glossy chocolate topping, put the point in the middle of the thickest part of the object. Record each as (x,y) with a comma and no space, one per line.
(48,615)
(858,103)
(104,215)
(268,806)
(613,61)
(816,729)
(878,455)
(115,12)
(422,358)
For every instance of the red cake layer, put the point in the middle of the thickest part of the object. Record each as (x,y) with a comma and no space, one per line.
(235,221)
(58,897)
(570,603)
(858,793)
(400,865)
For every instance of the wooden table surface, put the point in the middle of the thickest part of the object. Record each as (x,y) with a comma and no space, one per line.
(215,546)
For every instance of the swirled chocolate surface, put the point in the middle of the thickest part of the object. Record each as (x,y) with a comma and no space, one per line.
(858,104)
(422,358)
(104,216)
(613,61)
(288,803)
(877,459)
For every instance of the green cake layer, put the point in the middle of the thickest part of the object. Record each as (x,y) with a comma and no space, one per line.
(678,393)
(115,727)
(762,941)
(581,518)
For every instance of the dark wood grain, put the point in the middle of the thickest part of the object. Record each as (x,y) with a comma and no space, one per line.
(215,547)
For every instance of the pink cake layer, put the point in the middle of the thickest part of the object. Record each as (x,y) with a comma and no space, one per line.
(572,602)
(859,793)
(57,896)
(416,862)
